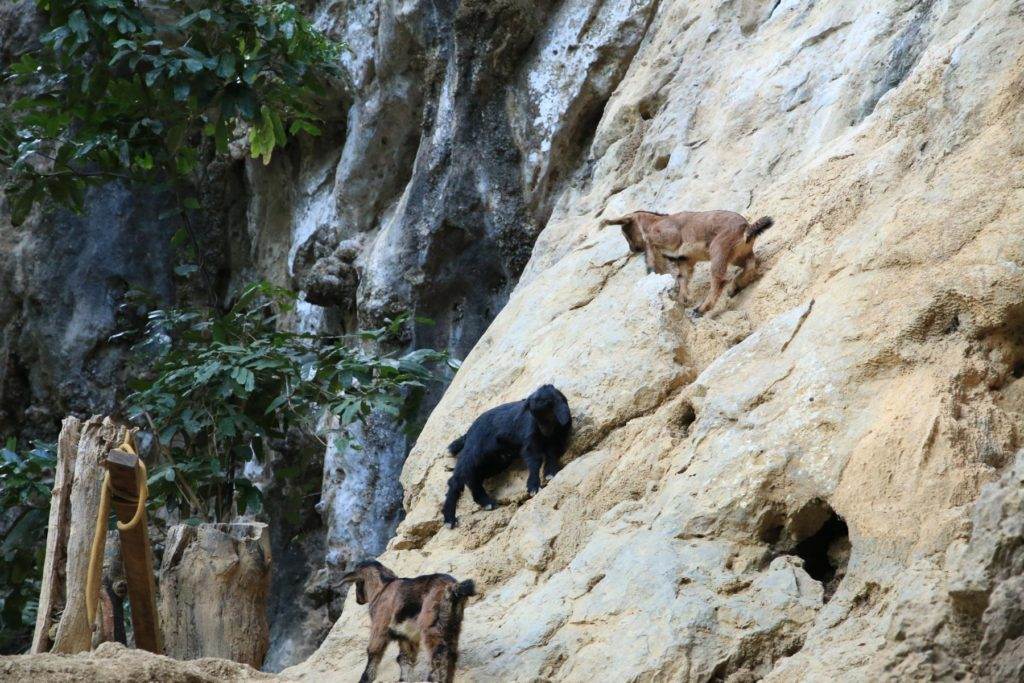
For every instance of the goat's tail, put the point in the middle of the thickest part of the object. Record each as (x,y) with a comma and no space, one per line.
(759,226)
(463,590)
(455,447)
(451,501)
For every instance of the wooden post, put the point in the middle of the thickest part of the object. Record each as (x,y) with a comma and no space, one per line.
(136,551)
(51,596)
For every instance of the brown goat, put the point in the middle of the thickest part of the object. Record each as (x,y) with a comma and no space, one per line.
(423,611)
(688,237)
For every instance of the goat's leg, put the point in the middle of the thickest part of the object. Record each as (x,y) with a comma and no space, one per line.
(649,257)
(656,261)
(683,281)
(745,276)
(480,495)
(442,664)
(719,268)
(374,653)
(551,465)
(451,501)
(533,461)
(407,654)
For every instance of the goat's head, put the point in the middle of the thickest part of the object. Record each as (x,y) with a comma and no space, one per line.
(631,229)
(548,405)
(369,577)
(633,234)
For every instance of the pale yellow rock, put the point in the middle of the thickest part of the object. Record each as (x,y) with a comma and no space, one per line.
(872,366)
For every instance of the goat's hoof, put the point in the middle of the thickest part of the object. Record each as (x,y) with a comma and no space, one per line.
(490,506)
(532,491)
(452,524)
(695,313)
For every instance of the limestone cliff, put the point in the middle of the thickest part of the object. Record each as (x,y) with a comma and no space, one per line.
(790,488)
(784,488)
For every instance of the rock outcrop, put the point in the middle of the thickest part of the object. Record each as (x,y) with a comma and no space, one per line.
(779,489)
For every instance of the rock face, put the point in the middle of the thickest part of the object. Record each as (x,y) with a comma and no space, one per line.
(463,122)
(62,278)
(784,488)
(988,578)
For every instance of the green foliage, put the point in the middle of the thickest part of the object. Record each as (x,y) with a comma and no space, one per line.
(25,483)
(225,387)
(121,89)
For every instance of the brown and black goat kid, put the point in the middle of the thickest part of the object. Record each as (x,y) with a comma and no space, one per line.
(536,429)
(683,239)
(422,612)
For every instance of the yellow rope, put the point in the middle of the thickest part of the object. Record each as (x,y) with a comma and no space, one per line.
(99,538)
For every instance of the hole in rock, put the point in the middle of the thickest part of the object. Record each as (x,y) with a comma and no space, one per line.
(770,527)
(661,162)
(815,534)
(687,415)
(826,552)
(953,326)
(1018,368)
(647,109)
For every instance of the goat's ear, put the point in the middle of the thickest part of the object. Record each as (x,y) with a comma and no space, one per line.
(562,411)
(360,592)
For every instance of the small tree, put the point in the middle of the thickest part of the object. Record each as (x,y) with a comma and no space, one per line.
(132,90)
(225,386)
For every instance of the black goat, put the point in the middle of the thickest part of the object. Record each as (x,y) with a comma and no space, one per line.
(536,429)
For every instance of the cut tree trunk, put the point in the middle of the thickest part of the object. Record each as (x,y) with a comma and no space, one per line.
(214,582)
(51,595)
(98,436)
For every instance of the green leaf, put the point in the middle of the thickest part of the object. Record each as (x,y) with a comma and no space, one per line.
(250,72)
(276,403)
(77,23)
(300,125)
(226,65)
(144,161)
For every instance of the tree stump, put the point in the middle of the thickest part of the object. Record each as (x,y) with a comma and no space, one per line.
(214,582)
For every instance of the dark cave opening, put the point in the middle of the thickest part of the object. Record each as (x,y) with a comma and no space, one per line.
(826,552)
(815,534)
(1018,369)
